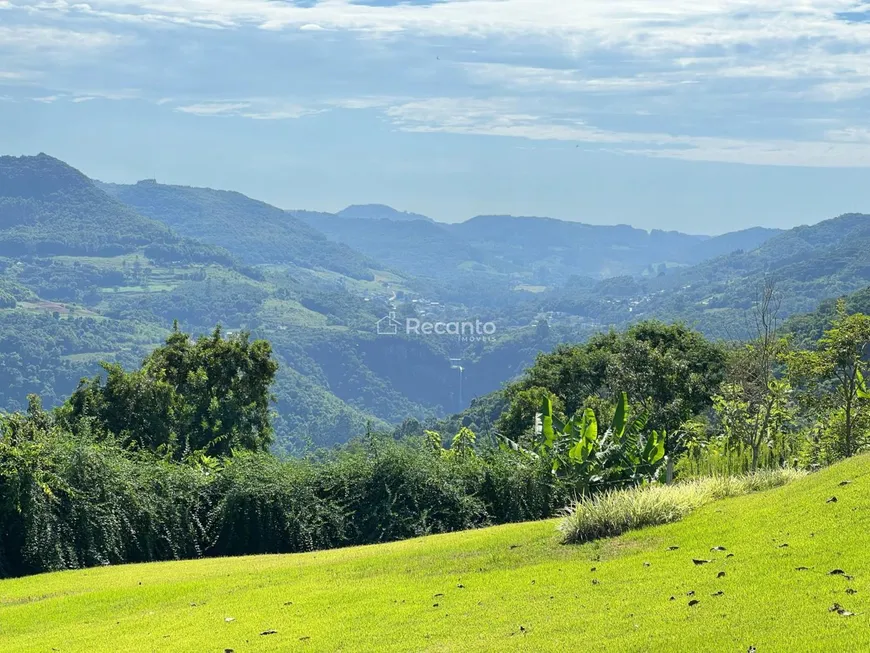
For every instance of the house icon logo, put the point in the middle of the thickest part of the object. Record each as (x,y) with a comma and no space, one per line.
(388,325)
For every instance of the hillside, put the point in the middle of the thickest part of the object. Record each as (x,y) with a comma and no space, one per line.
(809,264)
(84,279)
(807,328)
(110,297)
(88,278)
(415,247)
(254,231)
(48,208)
(745,240)
(509,588)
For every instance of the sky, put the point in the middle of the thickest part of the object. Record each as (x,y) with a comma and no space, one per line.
(699,116)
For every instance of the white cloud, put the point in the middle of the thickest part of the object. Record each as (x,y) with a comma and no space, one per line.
(257,109)
(505,118)
(214,108)
(532,69)
(530,78)
(850,135)
(58,43)
(644,25)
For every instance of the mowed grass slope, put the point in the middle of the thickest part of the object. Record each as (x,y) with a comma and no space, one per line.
(511,588)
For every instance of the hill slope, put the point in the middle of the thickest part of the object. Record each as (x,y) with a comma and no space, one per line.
(809,264)
(510,588)
(48,208)
(84,278)
(252,230)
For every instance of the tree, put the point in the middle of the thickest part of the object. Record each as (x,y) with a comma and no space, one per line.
(209,396)
(753,404)
(669,370)
(836,365)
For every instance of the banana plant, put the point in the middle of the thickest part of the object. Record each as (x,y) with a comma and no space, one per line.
(863,393)
(575,448)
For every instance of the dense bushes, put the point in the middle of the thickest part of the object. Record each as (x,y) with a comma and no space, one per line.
(69,502)
(76,501)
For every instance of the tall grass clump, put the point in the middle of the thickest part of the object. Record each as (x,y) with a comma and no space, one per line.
(615,512)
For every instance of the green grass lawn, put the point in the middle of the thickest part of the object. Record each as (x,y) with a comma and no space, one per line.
(511,588)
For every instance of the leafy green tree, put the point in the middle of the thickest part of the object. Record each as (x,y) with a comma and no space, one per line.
(751,420)
(670,371)
(209,396)
(832,373)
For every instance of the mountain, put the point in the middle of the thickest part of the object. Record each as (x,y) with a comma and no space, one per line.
(48,208)
(85,278)
(525,250)
(553,249)
(413,247)
(98,281)
(379,212)
(252,230)
(808,328)
(808,264)
(746,240)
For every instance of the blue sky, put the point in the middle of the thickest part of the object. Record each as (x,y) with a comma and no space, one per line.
(699,116)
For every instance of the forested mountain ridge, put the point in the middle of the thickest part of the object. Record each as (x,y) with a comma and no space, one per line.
(60,315)
(809,264)
(48,208)
(525,250)
(807,328)
(252,230)
(84,278)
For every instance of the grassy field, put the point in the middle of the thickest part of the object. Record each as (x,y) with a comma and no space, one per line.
(511,588)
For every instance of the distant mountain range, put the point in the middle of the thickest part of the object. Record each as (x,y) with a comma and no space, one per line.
(528,249)
(92,271)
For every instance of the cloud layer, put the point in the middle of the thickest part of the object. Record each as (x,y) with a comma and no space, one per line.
(766,83)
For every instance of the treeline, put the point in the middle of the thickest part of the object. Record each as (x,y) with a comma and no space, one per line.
(794,394)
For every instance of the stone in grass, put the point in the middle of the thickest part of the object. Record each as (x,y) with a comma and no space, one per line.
(840,610)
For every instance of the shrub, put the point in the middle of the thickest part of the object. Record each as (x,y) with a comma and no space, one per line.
(259,504)
(612,513)
(67,503)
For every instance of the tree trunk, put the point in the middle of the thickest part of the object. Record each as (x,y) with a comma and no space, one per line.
(848,428)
